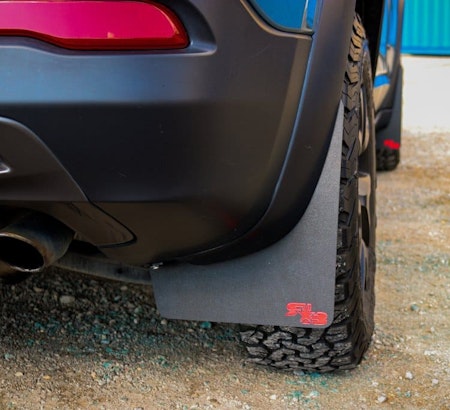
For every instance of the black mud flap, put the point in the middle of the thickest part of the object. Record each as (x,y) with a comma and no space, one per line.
(390,136)
(291,283)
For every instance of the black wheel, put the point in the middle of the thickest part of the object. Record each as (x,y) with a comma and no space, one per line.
(387,159)
(342,345)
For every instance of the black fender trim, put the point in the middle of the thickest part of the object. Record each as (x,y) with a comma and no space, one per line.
(311,137)
(299,269)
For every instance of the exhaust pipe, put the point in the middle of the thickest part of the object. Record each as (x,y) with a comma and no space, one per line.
(33,242)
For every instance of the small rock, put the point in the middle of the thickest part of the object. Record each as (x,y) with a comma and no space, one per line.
(273,397)
(409,375)
(46,377)
(18,374)
(205,325)
(382,398)
(66,300)
(414,307)
(434,382)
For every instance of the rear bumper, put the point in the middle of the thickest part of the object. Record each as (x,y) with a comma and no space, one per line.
(187,151)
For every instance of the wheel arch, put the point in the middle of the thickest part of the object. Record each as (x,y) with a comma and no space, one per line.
(371,13)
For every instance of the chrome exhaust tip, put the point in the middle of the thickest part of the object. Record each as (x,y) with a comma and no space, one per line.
(33,242)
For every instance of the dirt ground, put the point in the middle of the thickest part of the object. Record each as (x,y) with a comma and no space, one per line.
(69,342)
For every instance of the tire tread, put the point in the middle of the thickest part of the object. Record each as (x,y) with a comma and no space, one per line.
(342,345)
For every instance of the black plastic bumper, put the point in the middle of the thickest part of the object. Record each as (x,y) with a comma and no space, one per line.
(185,152)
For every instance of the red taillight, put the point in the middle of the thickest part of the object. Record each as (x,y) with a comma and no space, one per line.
(94,25)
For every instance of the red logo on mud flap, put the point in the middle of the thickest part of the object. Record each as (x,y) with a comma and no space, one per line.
(307,316)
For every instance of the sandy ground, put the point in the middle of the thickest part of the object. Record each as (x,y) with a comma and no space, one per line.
(68,342)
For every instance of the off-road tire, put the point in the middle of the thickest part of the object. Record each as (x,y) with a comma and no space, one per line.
(342,345)
(387,159)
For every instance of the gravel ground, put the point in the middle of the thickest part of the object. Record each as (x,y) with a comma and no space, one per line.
(70,342)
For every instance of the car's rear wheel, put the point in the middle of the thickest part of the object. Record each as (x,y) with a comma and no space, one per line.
(387,159)
(341,345)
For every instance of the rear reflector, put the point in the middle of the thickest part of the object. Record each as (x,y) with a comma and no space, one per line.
(94,25)
(391,144)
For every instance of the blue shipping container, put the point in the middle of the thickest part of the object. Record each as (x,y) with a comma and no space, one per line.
(426,28)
